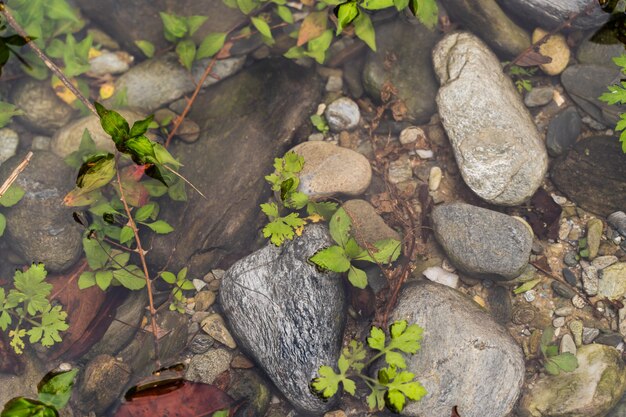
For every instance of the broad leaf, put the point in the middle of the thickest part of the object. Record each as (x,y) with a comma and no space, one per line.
(57,390)
(141,126)
(160,226)
(357,277)
(211,45)
(3,224)
(175,26)
(146,47)
(364,29)
(262,26)
(284,13)
(426,11)
(194,23)
(24,407)
(12,196)
(113,123)
(313,26)
(346,14)
(340,225)
(332,258)
(186,51)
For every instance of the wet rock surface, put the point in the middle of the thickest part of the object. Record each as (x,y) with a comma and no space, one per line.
(44,112)
(549,14)
(286,314)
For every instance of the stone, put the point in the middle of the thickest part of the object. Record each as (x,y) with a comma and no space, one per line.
(287,315)
(589,335)
(590,280)
(564,311)
(412,134)
(600,53)
(400,170)
(27,375)
(482,242)
(585,83)
(39,227)
(563,130)
(188,131)
(500,305)
(617,220)
(479,368)
(367,225)
(102,383)
(41,143)
(567,345)
(602,262)
(43,111)
(9,141)
(562,290)
(200,343)
(570,277)
(570,259)
(215,327)
(609,338)
(594,234)
(252,391)
(342,114)
(500,154)
(411,73)
(558,322)
(578,302)
(110,63)
(330,170)
(612,283)
(270,100)
(549,14)
(555,48)
(207,366)
(593,175)
(434,179)
(487,20)
(204,300)
(162,79)
(67,139)
(591,390)
(539,96)
(441,276)
(334,84)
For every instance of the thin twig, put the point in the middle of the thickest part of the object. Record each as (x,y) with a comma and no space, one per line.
(51,65)
(16,172)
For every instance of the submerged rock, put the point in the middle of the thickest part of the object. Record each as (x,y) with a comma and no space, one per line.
(43,111)
(466,359)
(286,314)
(549,14)
(499,152)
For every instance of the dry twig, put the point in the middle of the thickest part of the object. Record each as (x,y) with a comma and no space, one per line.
(16,172)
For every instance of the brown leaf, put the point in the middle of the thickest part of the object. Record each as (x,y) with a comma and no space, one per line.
(544,215)
(225,51)
(532,58)
(312,27)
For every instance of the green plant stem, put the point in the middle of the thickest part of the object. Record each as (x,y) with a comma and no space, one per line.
(4,10)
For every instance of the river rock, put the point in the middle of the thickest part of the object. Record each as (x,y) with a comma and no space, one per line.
(162,79)
(411,73)
(342,114)
(600,48)
(612,283)
(549,14)
(207,366)
(594,235)
(110,63)
(102,383)
(253,390)
(499,152)
(593,175)
(554,48)
(229,161)
(482,242)
(286,314)
(487,20)
(539,96)
(589,391)
(67,139)
(367,225)
(466,359)
(39,227)
(9,140)
(585,83)
(563,131)
(43,111)
(330,170)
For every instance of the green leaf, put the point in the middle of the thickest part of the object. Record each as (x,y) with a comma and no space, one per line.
(346,14)
(126,234)
(113,123)
(317,47)
(352,248)
(282,228)
(295,52)
(527,286)
(551,351)
(186,51)
(140,149)
(326,209)
(565,361)
(25,407)
(177,191)
(7,111)
(405,338)
(332,258)
(357,277)
(95,252)
(221,413)
(31,289)
(141,126)
(270,209)
(426,11)
(130,277)
(160,226)
(327,383)
(546,336)
(58,389)
(3,224)
(246,6)
(385,251)
(103,279)
(143,213)
(194,23)
(211,44)
(52,322)
(87,146)
(403,387)
(376,4)
(87,279)
(262,26)
(12,196)
(60,10)
(320,123)
(376,340)
(146,47)
(175,26)
(284,13)
(168,277)
(96,172)
(401,4)
(296,200)
(364,29)
(340,225)
(552,368)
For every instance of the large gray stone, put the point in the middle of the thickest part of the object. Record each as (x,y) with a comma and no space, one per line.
(286,314)
(39,227)
(43,111)
(589,391)
(549,14)
(487,20)
(466,359)
(482,242)
(411,73)
(499,152)
(600,48)
(246,121)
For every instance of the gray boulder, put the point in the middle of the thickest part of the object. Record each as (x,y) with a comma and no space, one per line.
(43,111)
(549,14)
(411,73)
(500,154)
(482,242)
(246,121)
(286,314)
(466,359)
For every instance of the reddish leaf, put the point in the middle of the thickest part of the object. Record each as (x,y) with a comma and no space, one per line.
(135,193)
(544,215)
(312,27)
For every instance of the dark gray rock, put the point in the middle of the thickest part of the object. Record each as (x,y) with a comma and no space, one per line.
(43,111)
(487,20)
(593,175)
(599,49)
(585,83)
(569,276)
(411,73)
(269,101)
(39,227)
(286,314)
(563,131)
(500,305)
(102,383)
(482,242)
(500,154)
(549,14)
(466,359)
(253,390)
(617,220)
(562,290)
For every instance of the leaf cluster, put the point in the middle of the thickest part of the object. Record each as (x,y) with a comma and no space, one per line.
(339,257)
(393,386)
(26,311)
(616,94)
(179,283)
(54,392)
(10,198)
(553,361)
(521,76)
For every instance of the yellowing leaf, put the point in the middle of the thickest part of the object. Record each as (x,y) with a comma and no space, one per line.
(107,90)
(62,91)
(93,53)
(313,26)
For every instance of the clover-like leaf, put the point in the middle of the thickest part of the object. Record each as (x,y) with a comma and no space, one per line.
(376,340)
(405,338)
(31,289)
(282,228)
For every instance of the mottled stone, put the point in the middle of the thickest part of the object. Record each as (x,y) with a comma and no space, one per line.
(367,225)
(594,234)
(102,383)
(590,280)
(342,114)
(567,345)
(43,111)
(613,281)
(207,366)
(563,131)
(9,140)
(215,327)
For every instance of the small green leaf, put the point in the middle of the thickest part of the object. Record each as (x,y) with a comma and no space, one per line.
(168,277)
(401,4)
(246,6)
(340,225)
(7,111)
(295,52)
(332,258)
(210,45)
(95,252)
(3,224)
(141,126)
(316,48)
(385,251)
(58,389)
(262,26)
(565,361)
(113,123)
(282,228)
(426,11)
(143,213)
(376,4)
(130,277)
(528,285)
(405,338)
(186,51)
(194,23)
(376,340)
(346,14)
(175,26)
(25,407)
(326,209)
(552,368)
(160,226)
(96,172)
(12,196)
(87,279)
(126,234)
(284,13)
(357,277)
(103,279)
(364,29)
(146,47)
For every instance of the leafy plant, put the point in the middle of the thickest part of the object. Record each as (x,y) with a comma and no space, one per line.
(179,284)
(392,387)
(320,123)
(520,76)
(339,257)
(617,95)
(7,111)
(10,198)
(553,361)
(54,392)
(26,311)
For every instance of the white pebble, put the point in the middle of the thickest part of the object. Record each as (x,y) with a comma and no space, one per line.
(441,276)
(425,153)
(434,179)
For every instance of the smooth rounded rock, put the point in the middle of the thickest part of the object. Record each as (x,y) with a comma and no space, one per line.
(594,234)
(466,358)
(9,140)
(555,48)
(612,284)
(342,114)
(330,170)
(102,383)
(500,153)
(110,63)
(563,131)
(286,314)
(539,96)
(549,14)
(482,242)
(600,48)
(43,111)
(367,225)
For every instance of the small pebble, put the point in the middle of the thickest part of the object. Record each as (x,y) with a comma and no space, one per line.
(559,199)
(609,339)
(41,143)
(529,296)
(567,345)
(336,413)
(342,114)
(241,362)
(618,221)
(576,327)
(590,280)
(201,343)
(334,84)
(425,153)
(198,284)
(400,170)
(539,96)
(537,247)
(204,300)
(434,179)
(412,134)
(569,276)
(215,327)
(589,334)
(441,276)
(570,259)
(578,301)
(9,141)
(316,137)
(564,311)
(558,322)
(562,290)
(594,234)
(602,262)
